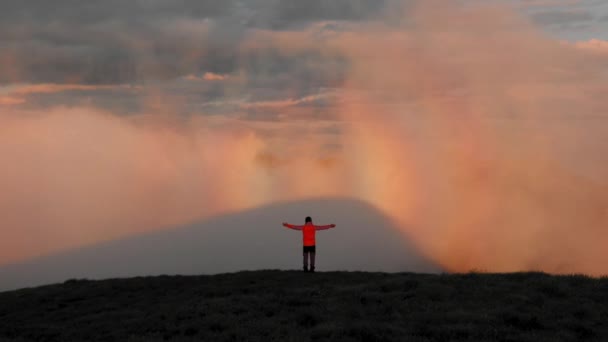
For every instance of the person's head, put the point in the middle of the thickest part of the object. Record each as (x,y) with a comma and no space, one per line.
(308,219)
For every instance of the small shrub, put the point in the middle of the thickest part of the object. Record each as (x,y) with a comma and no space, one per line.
(582,331)
(521,321)
(553,290)
(307,319)
(191,330)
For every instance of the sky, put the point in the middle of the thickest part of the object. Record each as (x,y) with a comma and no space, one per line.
(478,126)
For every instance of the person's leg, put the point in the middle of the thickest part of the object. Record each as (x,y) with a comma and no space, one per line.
(312,261)
(305,254)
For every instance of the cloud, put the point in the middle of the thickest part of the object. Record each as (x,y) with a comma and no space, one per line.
(474,167)
(49,88)
(303,101)
(473,151)
(44,95)
(547,3)
(290,13)
(560,17)
(92,176)
(9,101)
(594,45)
(102,44)
(76,176)
(209,76)
(110,52)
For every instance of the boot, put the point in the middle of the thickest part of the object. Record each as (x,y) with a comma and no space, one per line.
(305,269)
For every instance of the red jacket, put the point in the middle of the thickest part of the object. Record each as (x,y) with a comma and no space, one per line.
(308,232)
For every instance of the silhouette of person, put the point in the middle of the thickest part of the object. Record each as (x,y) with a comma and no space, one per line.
(308,237)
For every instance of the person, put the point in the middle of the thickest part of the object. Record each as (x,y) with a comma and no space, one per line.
(308,237)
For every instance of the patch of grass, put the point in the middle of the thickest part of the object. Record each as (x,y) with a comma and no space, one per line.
(296,306)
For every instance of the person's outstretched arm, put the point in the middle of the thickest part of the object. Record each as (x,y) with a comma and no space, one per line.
(325,227)
(292,226)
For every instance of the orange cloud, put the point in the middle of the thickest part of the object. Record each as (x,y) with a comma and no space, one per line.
(16,94)
(286,102)
(50,88)
(476,152)
(9,101)
(76,176)
(594,45)
(209,76)
(476,174)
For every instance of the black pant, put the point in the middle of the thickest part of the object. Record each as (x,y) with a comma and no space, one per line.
(309,251)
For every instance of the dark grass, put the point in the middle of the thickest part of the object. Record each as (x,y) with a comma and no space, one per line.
(296,306)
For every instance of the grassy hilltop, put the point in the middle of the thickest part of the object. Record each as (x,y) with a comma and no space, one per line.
(296,306)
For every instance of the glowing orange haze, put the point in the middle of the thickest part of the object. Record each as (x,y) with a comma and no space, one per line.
(468,127)
(467,122)
(74,176)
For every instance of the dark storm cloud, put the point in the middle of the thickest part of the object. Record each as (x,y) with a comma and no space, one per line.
(117,101)
(299,73)
(137,11)
(117,53)
(560,17)
(290,13)
(86,12)
(287,112)
(115,41)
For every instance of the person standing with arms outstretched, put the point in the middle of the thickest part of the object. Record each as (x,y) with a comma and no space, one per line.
(308,235)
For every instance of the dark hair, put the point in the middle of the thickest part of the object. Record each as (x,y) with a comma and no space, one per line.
(308,219)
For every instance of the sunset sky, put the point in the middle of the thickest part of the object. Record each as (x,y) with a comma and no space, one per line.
(480,127)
